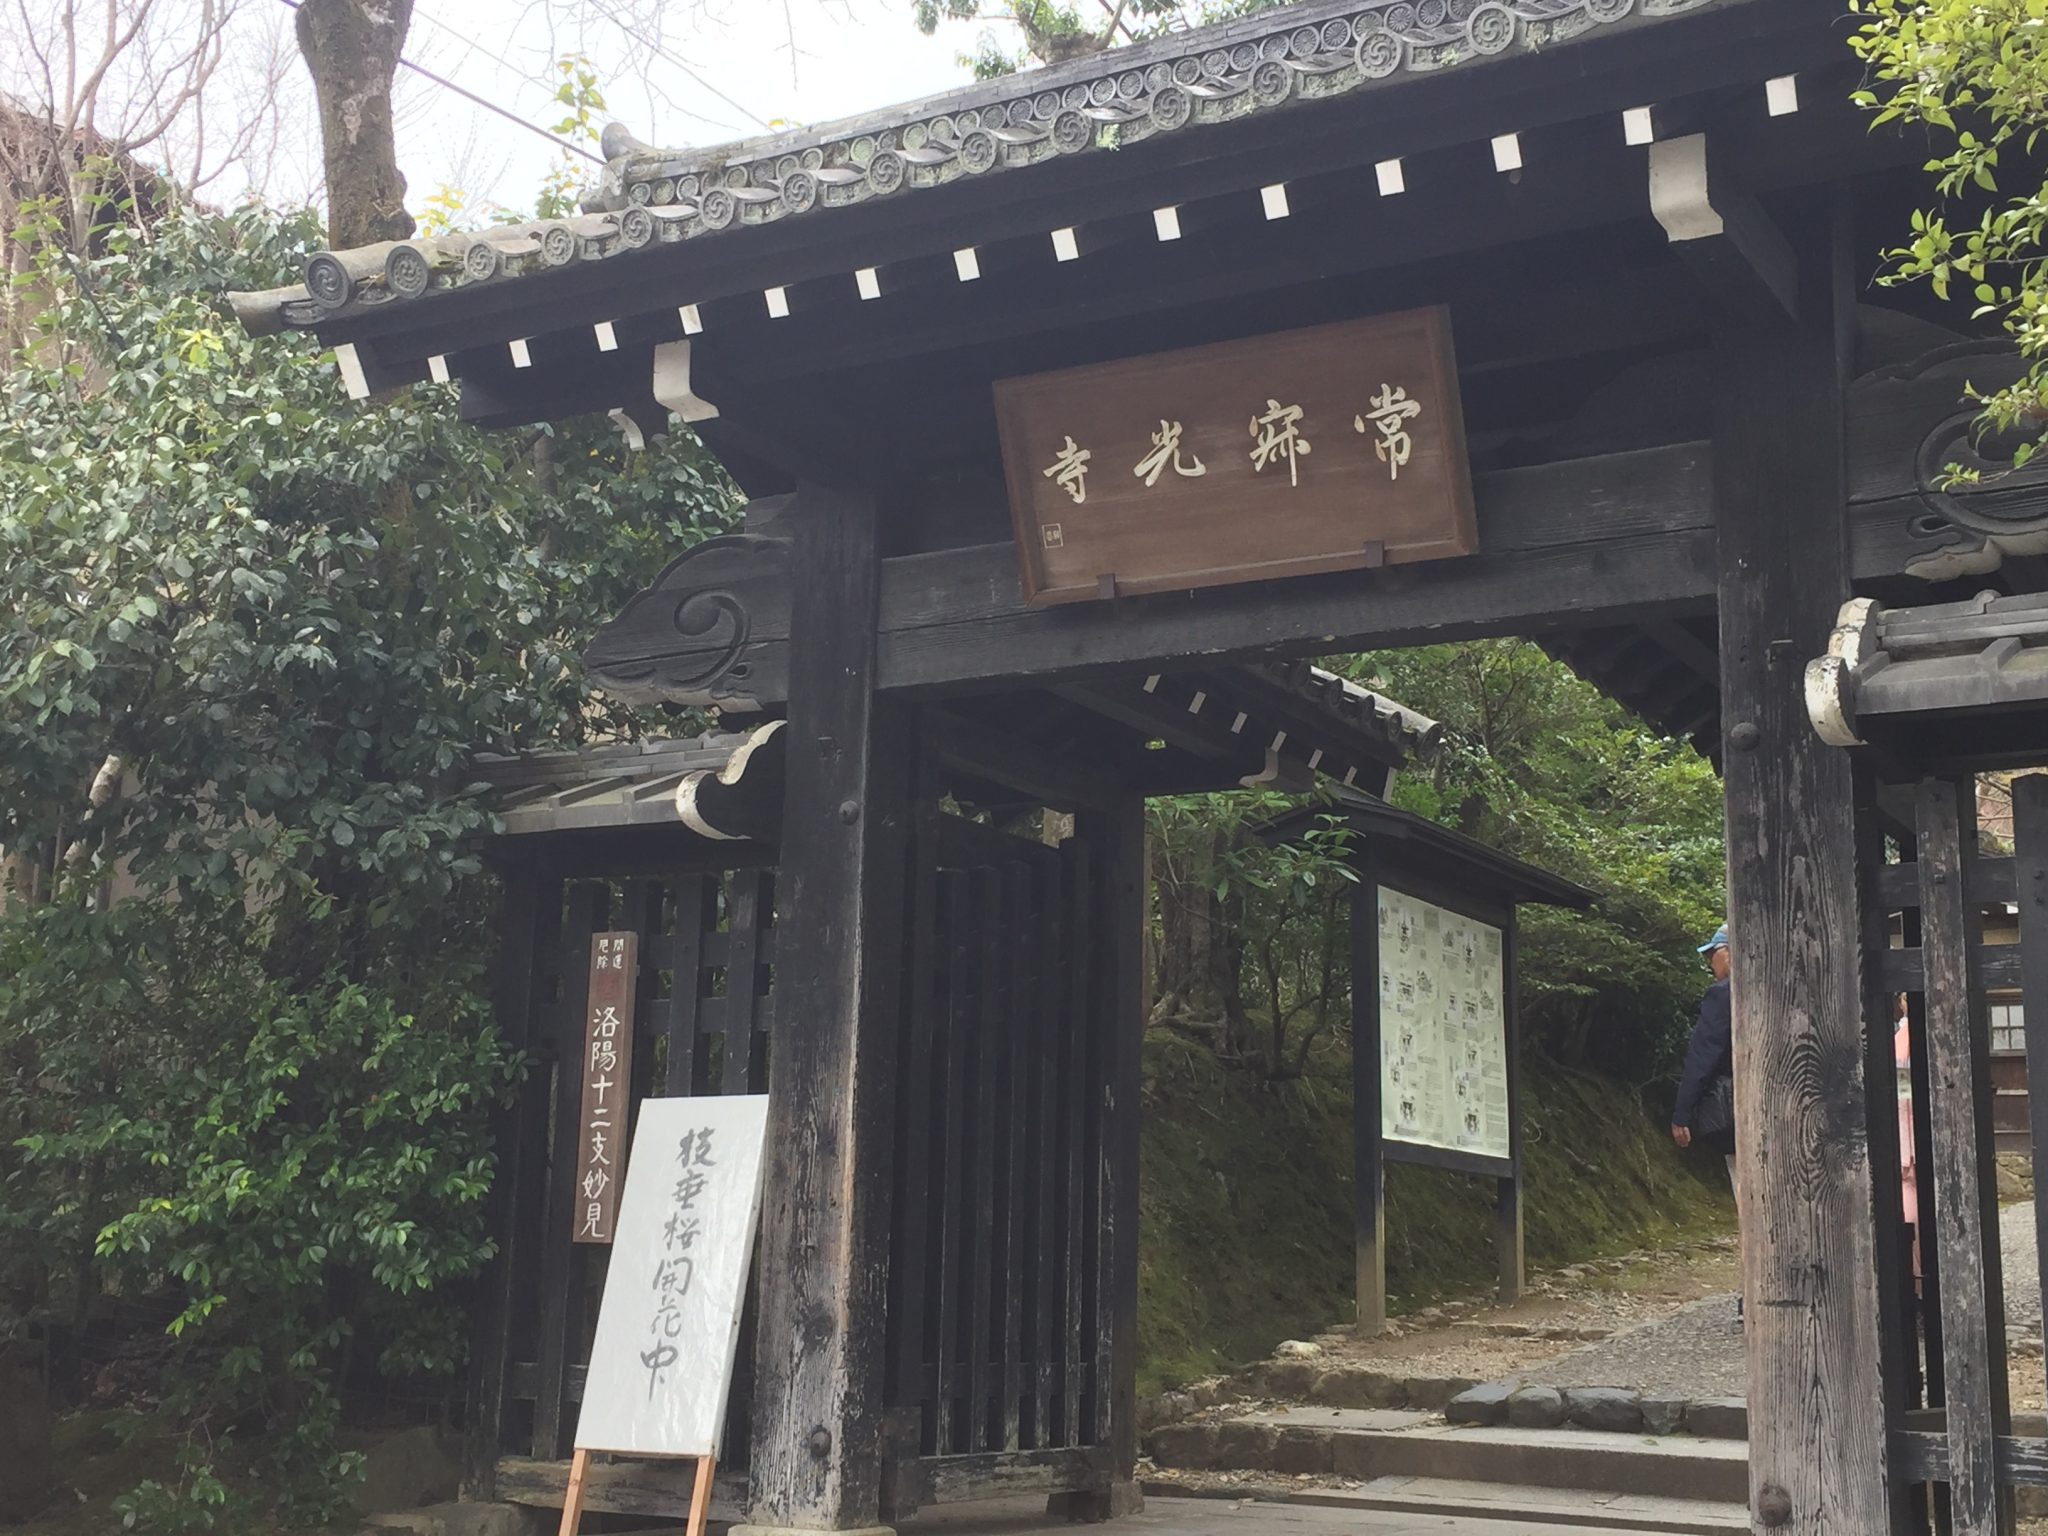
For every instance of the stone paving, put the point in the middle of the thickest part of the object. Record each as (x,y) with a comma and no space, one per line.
(1696,1350)
(1231,1517)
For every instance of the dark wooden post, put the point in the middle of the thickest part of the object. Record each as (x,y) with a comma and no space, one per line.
(1818,1424)
(1127,900)
(1961,1160)
(1368,1172)
(529,914)
(815,1457)
(1117,834)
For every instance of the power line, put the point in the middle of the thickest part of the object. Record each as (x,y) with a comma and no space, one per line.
(492,106)
(504,63)
(663,53)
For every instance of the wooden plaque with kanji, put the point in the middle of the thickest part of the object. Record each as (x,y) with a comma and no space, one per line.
(1333,448)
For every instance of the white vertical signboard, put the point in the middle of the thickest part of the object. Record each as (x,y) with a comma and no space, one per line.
(661,1363)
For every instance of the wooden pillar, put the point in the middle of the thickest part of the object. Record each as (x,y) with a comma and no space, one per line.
(1961,1164)
(1818,1453)
(1368,1173)
(1127,899)
(1117,835)
(529,914)
(815,1456)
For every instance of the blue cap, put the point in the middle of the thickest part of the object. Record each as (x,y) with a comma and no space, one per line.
(1718,941)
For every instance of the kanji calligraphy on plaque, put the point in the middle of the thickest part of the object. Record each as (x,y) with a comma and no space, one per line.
(607,1084)
(1332,448)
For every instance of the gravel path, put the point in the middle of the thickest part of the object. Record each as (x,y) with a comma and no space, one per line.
(1696,1351)
(2022,1269)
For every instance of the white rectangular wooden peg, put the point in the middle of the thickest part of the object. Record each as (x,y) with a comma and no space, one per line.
(1064,246)
(1275,200)
(966,264)
(1637,126)
(607,338)
(1196,703)
(437,368)
(1166,223)
(521,357)
(869,282)
(1152,682)
(693,322)
(1237,725)
(1782,95)
(1391,182)
(353,379)
(778,302)
(1507,152)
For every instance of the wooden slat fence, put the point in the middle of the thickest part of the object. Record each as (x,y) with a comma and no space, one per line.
(706,967)
(994,1311)
(1929,877)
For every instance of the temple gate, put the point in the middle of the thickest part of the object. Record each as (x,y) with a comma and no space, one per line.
(1691,431)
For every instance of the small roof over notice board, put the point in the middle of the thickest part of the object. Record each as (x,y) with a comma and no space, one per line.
(1450,857)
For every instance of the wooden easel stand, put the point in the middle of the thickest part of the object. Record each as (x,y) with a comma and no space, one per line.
(579,1474)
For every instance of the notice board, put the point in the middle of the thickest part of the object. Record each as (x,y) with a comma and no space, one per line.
(1443,1029)
(661,1361)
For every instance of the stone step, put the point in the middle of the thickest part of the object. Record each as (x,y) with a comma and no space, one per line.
(1452,1498)
(1364,1444)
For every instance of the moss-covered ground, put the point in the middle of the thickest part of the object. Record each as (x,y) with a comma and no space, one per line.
(1247,1235)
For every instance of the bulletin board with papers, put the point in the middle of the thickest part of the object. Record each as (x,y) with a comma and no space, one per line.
(1444,1079)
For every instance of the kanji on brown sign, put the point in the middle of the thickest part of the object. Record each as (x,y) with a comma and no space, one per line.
(1335,448)
(607,1084)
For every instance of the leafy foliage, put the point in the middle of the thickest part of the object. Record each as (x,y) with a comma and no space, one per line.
(1051,32)
(1974,73)
(1253,935)
(1536,762)
(249,638)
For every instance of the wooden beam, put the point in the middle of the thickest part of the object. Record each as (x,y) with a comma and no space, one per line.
(1818,1453)
(1014,762)
(1679,639)
(1718,228)
(815,1459)
(1614,536)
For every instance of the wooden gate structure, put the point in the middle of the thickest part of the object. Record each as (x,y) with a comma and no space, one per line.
(1693,428)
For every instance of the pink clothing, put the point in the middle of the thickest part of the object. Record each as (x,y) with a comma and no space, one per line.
(1909,1179)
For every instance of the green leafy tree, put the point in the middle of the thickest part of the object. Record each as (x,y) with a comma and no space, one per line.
(1975,75)
(1252,936)
(1541,765)
(250,635)
(1054,31)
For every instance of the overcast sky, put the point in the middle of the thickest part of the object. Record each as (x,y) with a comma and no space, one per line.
(718,70)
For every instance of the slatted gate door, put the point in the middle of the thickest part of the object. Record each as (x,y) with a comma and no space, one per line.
(1930,876)
(998,1340)
(706,967)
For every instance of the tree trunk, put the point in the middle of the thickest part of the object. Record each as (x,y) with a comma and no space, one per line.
(351,47)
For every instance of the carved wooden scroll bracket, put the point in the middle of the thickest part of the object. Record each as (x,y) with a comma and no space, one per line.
(711,631)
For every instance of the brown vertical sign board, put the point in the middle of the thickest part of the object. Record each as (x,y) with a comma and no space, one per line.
(607,1084)
(1328,449)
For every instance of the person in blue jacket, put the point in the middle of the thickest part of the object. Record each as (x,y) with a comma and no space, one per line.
(1709,1055)
(1704,1112)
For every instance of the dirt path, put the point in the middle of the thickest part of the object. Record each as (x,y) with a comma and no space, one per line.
(1565,1311)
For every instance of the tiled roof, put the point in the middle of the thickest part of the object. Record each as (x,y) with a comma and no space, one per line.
(1101,104)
